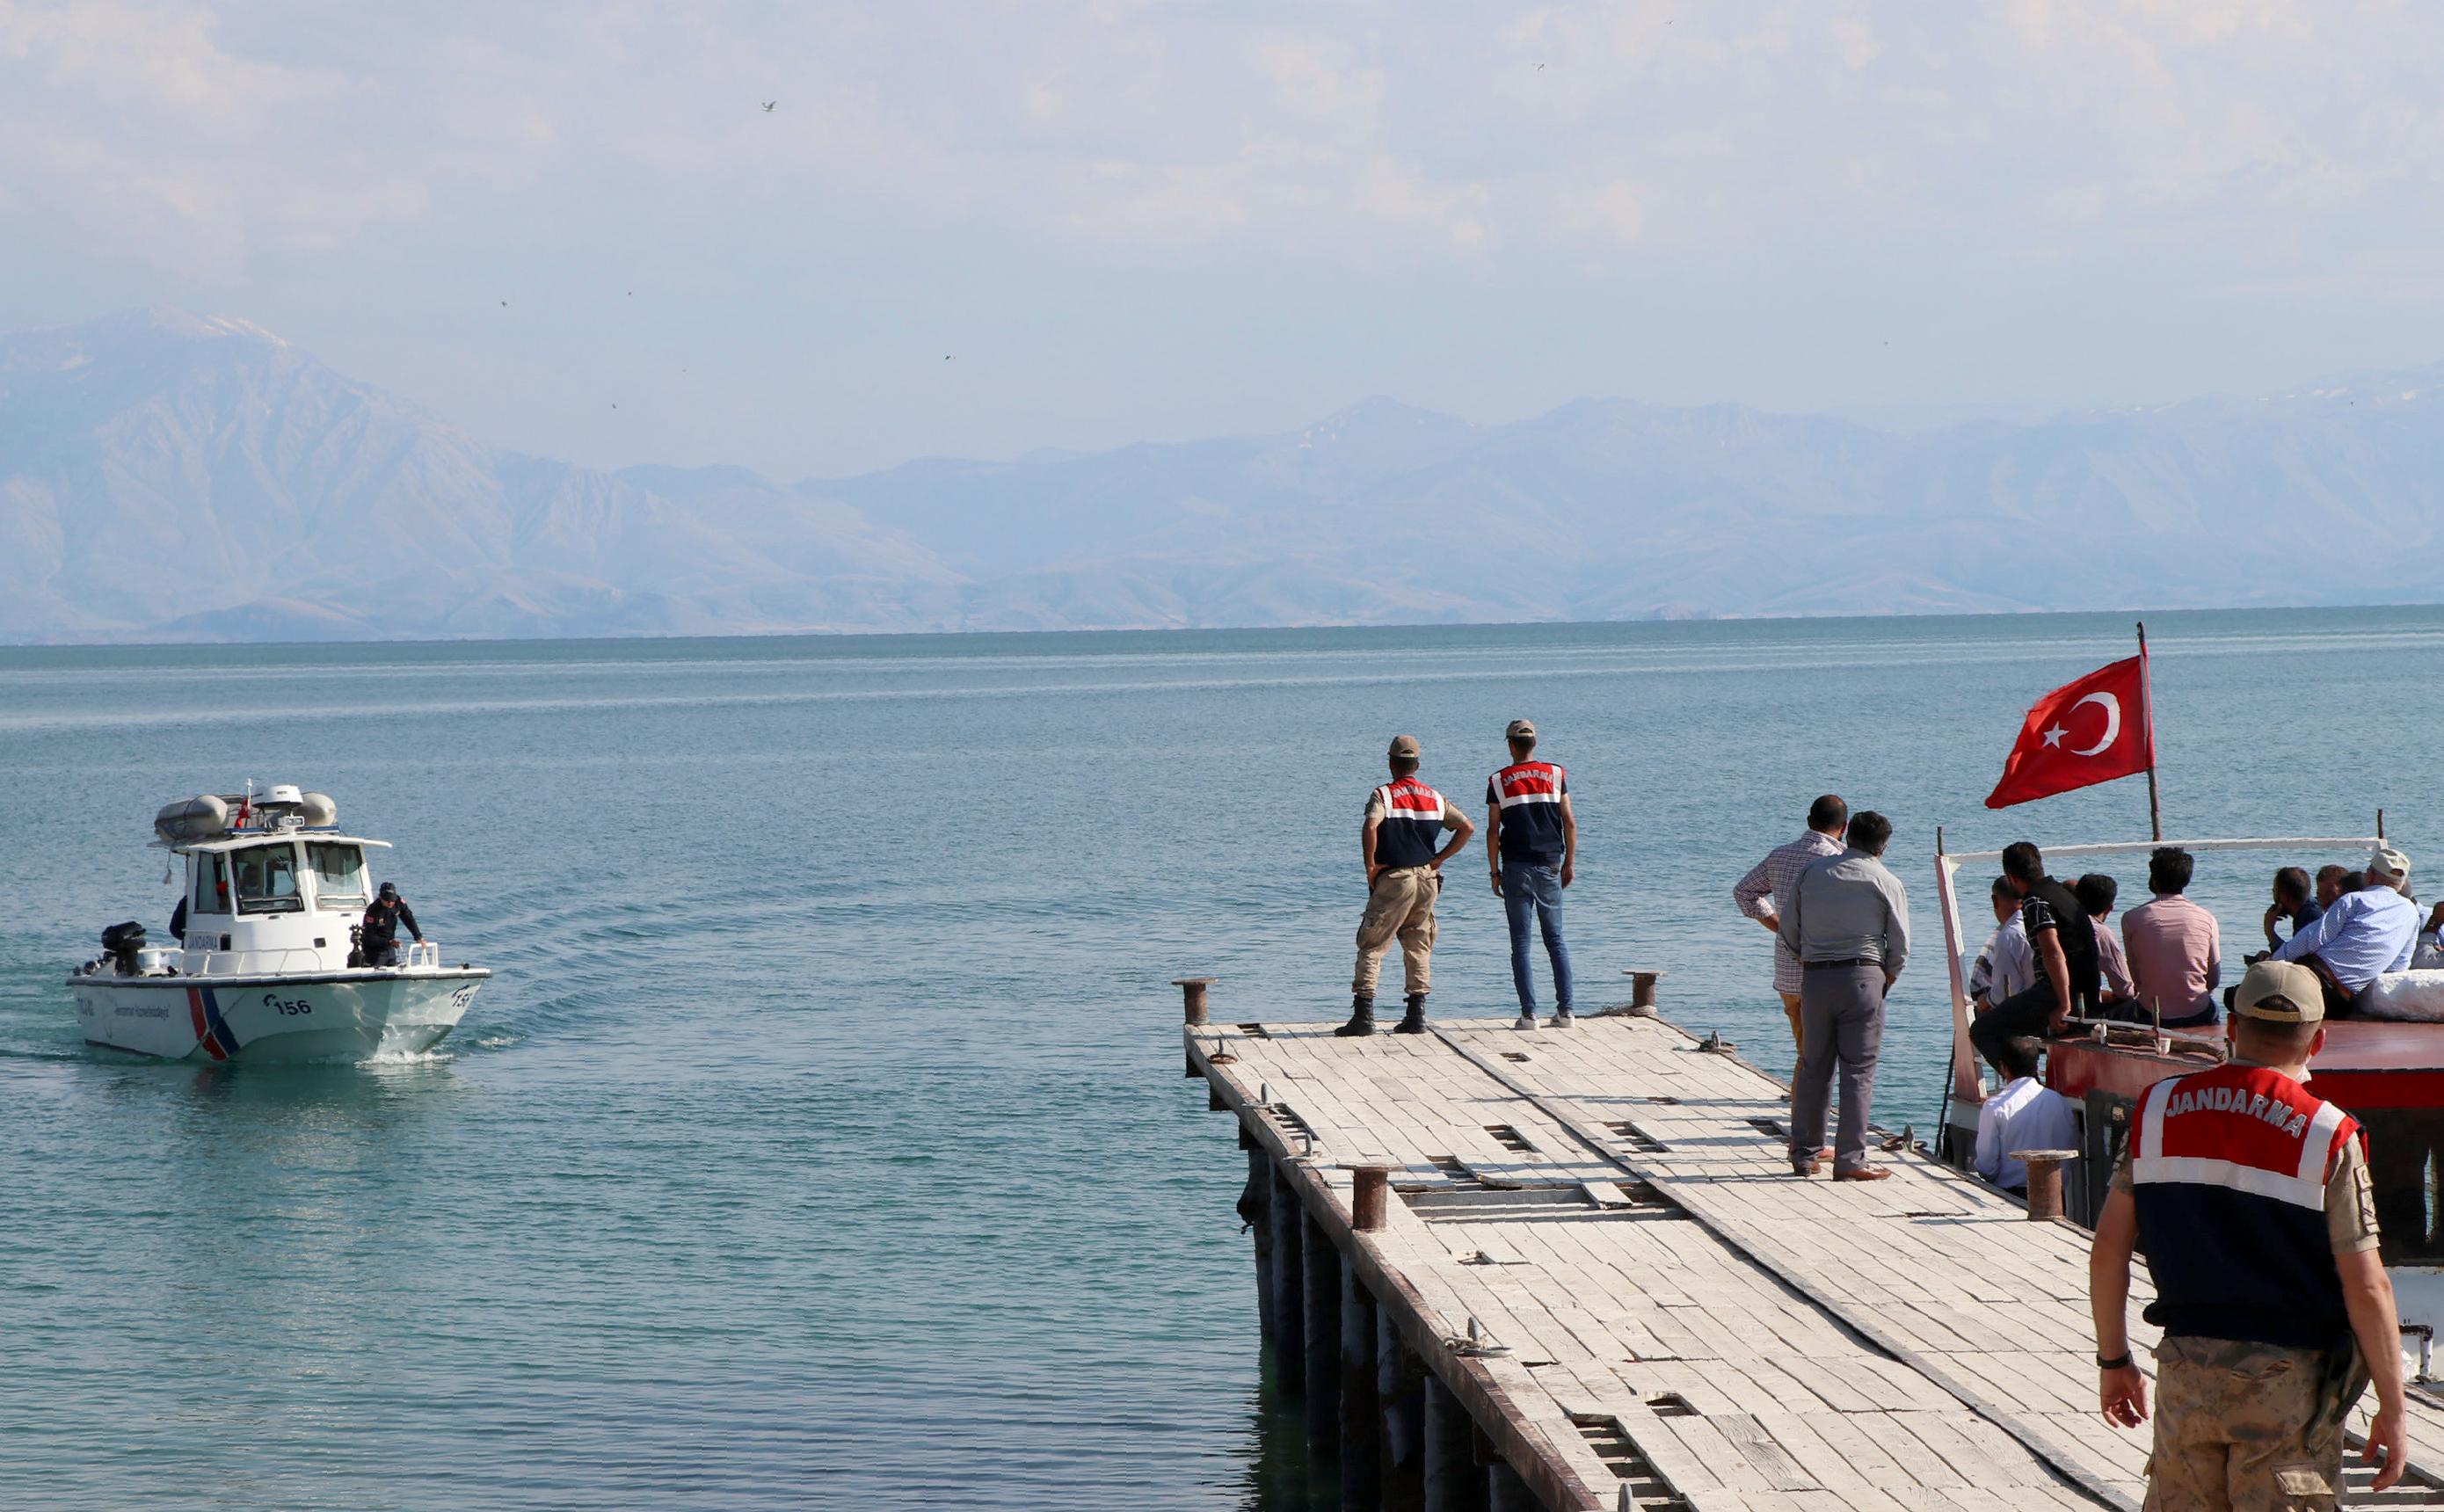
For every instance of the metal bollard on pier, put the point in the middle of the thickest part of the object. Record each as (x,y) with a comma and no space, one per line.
(2044,1181)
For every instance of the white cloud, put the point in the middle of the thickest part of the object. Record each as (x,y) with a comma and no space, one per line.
(190,130)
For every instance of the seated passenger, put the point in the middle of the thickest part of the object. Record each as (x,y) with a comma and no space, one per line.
(2175,947)
(2363,935)
(2332,882)
(2007,965)
(2096,892)
(2025,1114)
(2295,899)
(2428,954)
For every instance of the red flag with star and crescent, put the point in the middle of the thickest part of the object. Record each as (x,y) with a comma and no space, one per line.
(2085,732)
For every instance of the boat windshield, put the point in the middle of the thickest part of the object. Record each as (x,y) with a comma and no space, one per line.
(339,873)
(267,879)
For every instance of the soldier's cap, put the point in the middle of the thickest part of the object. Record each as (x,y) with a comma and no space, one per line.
(1407,746)
(2388,860)
(1521,729)
(2280,992)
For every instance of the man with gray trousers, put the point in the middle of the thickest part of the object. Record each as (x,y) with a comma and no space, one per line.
(1847,921)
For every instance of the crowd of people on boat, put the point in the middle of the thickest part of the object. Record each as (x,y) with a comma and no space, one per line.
(2164,965)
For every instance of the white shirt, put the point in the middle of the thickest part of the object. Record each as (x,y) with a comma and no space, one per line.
(2007,965)
(2025,1114)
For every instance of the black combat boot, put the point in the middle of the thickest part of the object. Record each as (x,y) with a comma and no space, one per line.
(1412,1022)
(1361,1018)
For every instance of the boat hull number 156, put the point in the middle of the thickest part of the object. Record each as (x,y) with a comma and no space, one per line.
(291,1007)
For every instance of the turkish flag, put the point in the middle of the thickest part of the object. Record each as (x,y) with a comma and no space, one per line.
(2092,731)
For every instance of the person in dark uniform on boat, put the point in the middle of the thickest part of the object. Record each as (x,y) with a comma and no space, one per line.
(379,936)
(2252,1198)
(2064,940)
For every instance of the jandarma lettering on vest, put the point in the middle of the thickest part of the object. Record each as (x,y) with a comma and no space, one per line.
(2241,1100)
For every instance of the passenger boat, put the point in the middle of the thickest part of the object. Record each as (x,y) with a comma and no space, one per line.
(267,967)
(2387,1075)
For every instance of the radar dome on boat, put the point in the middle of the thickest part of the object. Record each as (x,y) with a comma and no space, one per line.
(281,794)
(191,819)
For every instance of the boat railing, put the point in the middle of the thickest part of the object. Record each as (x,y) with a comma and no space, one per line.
(423,955)
(252,963)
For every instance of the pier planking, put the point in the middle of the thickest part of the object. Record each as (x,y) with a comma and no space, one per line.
(1672,1312)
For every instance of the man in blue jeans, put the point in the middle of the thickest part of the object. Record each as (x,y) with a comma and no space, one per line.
(1532,839)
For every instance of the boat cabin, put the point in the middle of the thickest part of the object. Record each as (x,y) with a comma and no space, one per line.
(266,890)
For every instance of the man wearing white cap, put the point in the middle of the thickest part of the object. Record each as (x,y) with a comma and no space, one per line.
(2362,937)
(2251,1199)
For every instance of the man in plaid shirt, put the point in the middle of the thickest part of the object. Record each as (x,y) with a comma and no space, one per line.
(1767,888)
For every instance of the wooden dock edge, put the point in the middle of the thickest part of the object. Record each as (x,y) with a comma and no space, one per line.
(1518,1447)
(1760,1250)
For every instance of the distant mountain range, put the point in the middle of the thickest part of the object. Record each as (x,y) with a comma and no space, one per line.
(164,477)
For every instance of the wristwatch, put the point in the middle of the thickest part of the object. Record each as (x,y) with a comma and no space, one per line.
(2119,1362)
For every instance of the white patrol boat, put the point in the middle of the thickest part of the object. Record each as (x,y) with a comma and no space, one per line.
(268,968)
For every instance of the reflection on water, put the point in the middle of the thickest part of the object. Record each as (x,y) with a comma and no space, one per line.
(1281,1475)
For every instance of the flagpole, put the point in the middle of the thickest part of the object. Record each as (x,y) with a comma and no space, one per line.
(2147,704)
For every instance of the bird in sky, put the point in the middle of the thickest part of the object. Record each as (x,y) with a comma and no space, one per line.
(1540,67)
(768,105)
(505,304)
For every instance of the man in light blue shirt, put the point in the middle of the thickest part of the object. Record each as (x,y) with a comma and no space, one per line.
(2362,936)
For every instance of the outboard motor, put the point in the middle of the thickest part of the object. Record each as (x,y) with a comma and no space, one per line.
(121,942)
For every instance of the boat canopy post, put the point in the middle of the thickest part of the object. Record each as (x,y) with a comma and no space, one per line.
(1966,1087)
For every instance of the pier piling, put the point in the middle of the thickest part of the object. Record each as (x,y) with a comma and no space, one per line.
(1455,1481)
(1506,1492)
(1290,1286)
(1400,1390)
(1256,1211)
(1362,1409)
(1324,1327)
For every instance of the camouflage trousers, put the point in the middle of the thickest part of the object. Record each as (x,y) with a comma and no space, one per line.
(1400,907)
(2239,1426)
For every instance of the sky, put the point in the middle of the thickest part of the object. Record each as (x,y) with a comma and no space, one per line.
(982,229)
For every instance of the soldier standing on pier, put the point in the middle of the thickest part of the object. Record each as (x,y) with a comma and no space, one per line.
(1405,821)
(2253,1201)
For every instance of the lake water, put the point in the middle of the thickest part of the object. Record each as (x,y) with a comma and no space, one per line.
(822,1141)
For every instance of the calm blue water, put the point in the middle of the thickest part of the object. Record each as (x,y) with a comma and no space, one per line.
(822,1141)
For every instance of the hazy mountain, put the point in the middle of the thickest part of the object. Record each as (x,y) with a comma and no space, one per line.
(163,476)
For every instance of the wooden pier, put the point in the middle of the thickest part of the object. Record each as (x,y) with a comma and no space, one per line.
(1593,1284)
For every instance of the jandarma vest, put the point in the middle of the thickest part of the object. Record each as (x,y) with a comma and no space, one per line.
(1412,827)
(1530,796)
(2229,1170)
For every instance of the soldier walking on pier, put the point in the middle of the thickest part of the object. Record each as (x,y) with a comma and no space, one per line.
(1405,821)
(2251,1199)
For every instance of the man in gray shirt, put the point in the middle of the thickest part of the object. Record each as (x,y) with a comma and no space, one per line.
(1847,921)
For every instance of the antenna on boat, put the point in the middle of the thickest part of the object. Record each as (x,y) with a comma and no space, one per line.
(2147,702)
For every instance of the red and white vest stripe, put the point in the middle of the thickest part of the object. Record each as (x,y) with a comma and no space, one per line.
(1412,827)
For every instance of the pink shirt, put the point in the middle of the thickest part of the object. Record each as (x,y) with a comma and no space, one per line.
(2176,956)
